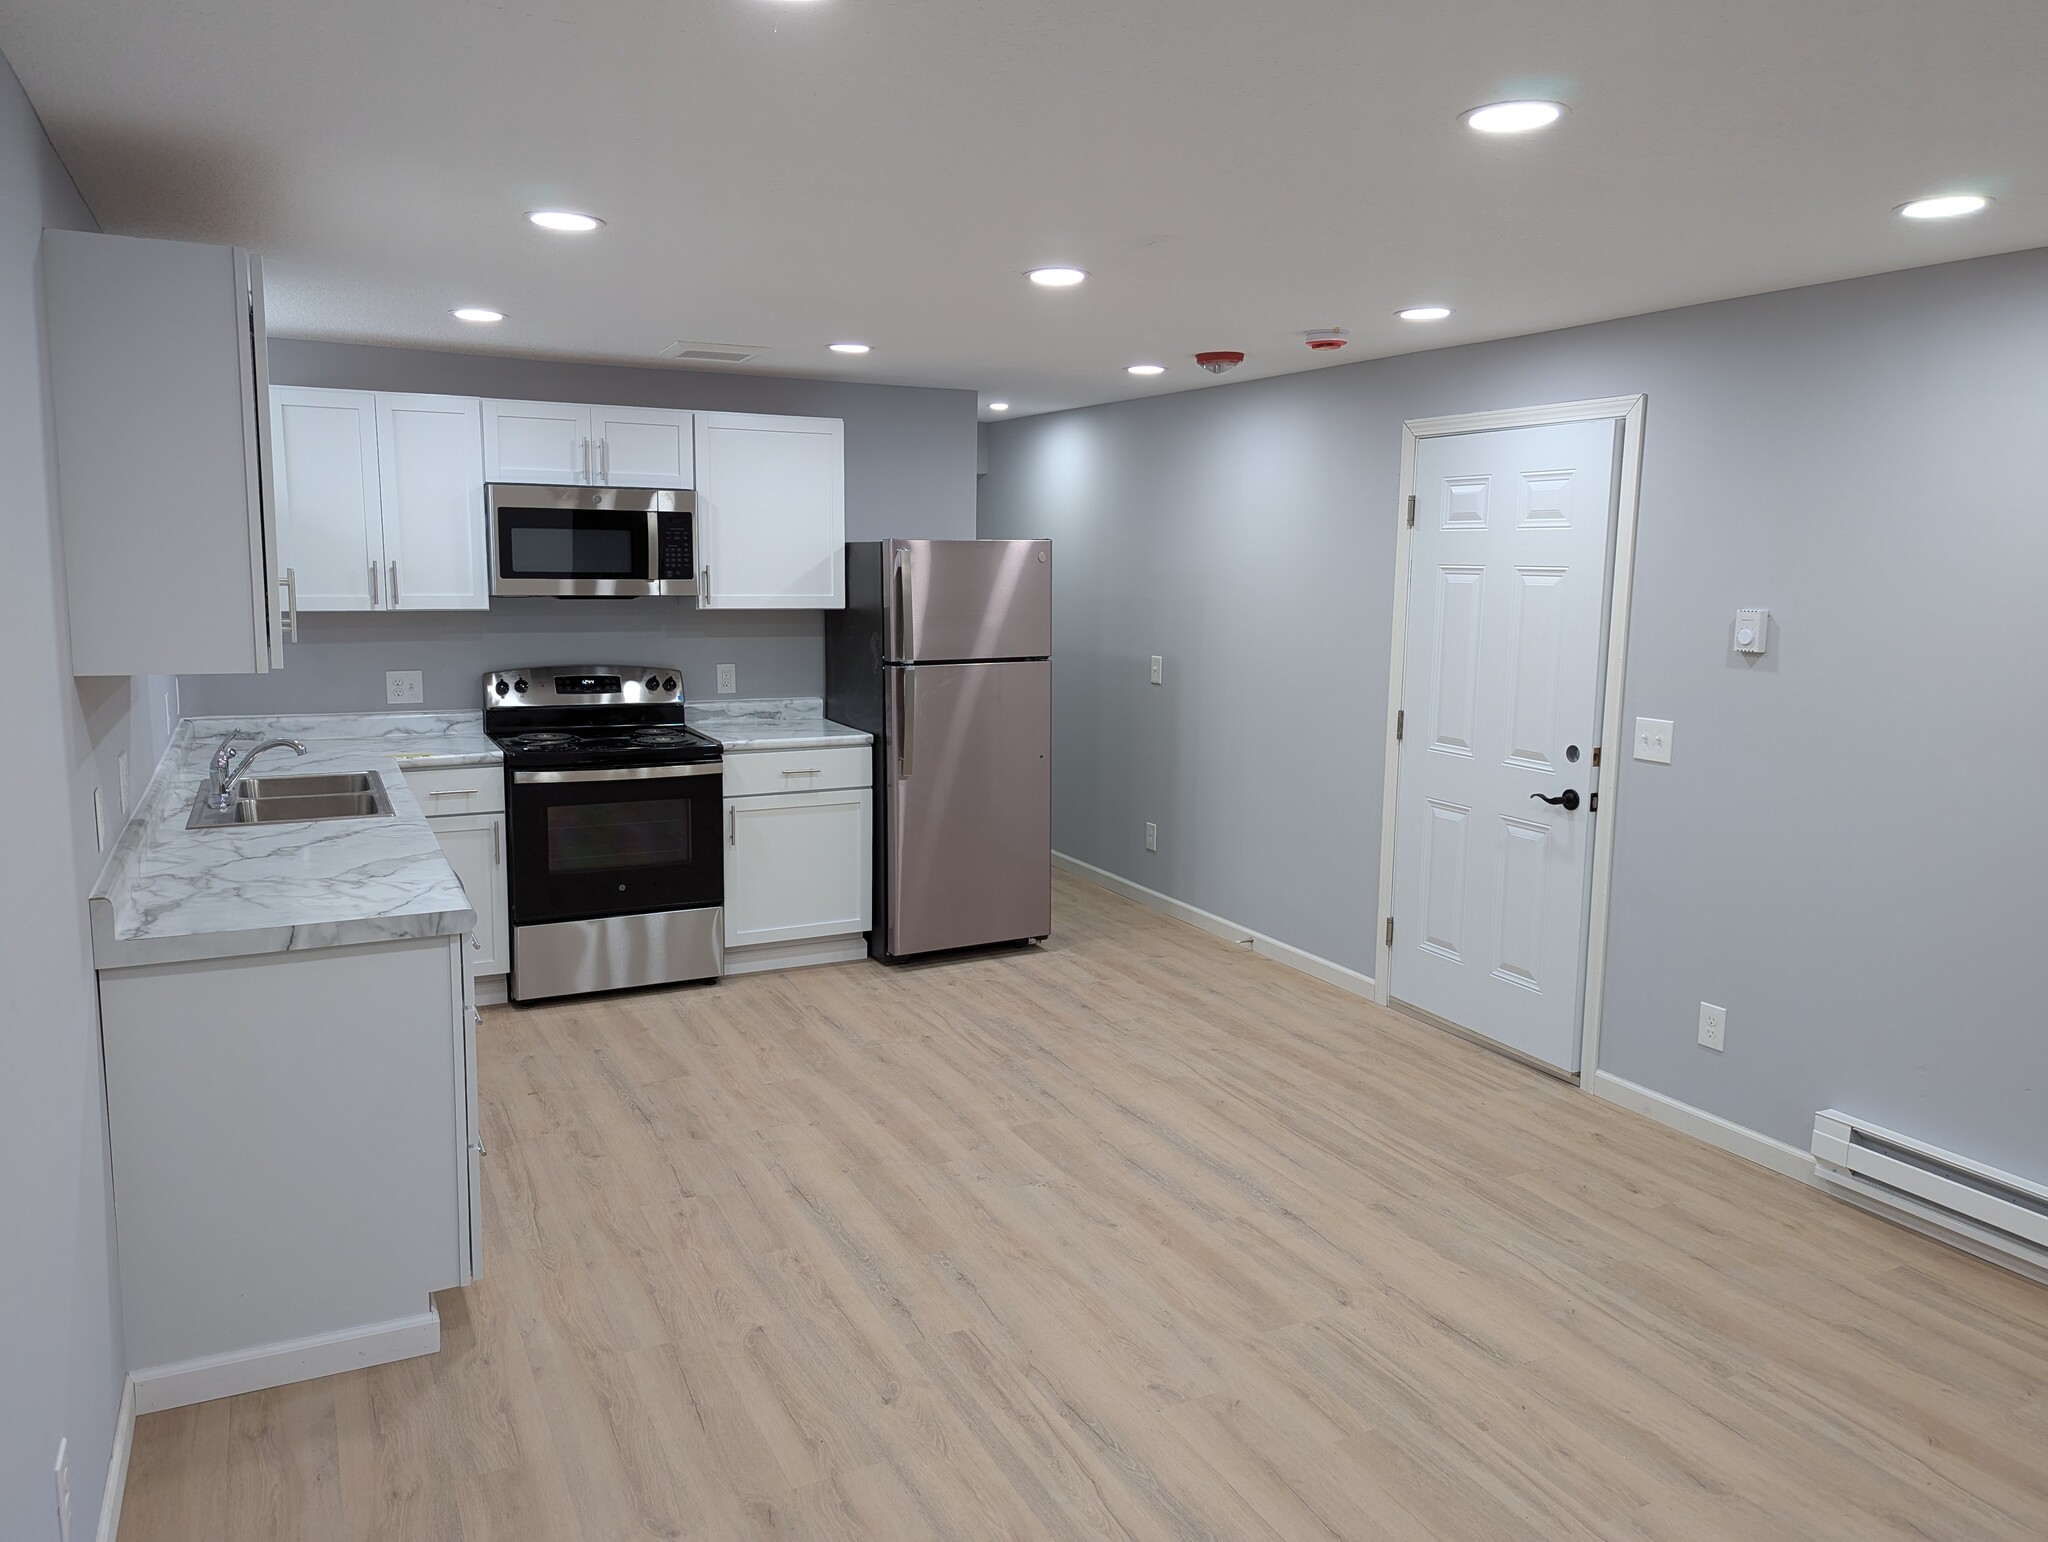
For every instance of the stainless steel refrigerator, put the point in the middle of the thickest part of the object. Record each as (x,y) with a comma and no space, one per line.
(944,654)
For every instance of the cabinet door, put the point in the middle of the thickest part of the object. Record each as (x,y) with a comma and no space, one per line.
(431,464)
(643,447)
(771,512)
(545,442)
(324,451)
(474,845)
(797,865)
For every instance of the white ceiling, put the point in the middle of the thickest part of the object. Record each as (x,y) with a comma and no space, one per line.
(793,174)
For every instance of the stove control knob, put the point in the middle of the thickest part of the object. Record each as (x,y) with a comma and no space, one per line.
(669,684)
(519,686)
(654,682)
(502,687)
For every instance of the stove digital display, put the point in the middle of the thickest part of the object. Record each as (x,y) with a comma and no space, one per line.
(587,685)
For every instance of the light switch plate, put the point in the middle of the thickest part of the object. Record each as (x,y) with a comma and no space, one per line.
(728,679)
(1713,1025)
(1158,670)
(1653,739)
(404,687)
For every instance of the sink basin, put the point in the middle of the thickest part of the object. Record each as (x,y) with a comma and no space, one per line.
(314,786)
(277,800)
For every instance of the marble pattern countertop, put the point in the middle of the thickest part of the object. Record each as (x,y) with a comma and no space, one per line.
(773,723)
(168,893)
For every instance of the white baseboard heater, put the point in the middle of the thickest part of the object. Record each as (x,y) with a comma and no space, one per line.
(1994,1214)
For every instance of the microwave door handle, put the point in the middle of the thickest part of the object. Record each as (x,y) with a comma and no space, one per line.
(604,465)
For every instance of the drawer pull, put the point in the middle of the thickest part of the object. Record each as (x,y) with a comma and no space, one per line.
(811,771)
(453,792)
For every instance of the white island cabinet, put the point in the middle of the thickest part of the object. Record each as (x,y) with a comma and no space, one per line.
(295,1151)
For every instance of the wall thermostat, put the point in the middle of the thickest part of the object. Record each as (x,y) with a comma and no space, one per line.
(1752,631)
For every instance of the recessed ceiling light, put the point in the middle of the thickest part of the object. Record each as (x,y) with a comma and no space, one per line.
(1424,313)
(476,313)
(848,347)
(1513,117)
(1946,207)
(1056,278)
(998,406)
(563,219)
(1146,369)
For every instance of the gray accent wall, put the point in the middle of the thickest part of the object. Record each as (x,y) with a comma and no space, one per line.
(911,464)
(61,1359)
(1850,849)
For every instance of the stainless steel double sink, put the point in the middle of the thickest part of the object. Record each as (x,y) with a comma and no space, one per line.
(276,800)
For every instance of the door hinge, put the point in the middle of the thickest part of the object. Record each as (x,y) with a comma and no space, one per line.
(1390,931)
(1411,511)
(1400,724)
(1596,754)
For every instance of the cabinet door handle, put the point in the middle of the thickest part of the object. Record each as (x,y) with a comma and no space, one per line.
(704,586)
(452,792)
(583,445)
(604,450)
(732,827)
(497,843)
(476,943)
(375,598)
(394,583)
(290,581)
(810,771)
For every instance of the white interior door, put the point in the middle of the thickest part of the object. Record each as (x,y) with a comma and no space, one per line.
(1501,690)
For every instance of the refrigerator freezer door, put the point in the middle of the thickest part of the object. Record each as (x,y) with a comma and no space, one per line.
(969,784)
(951,600)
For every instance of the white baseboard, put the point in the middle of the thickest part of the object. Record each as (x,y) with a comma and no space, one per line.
(799,954)
(276,1365)
(117,1466)
(1266,947)
(1701,1125)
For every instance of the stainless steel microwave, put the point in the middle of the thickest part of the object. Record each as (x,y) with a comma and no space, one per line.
(603,541)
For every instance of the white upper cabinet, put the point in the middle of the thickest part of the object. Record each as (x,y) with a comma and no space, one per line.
(554,443)
(642,447)
(771,512)
(328,530)
(381,499)
(545,442)
(430,459)
(160,406)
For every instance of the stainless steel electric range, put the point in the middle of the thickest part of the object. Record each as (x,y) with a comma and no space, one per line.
(613,839)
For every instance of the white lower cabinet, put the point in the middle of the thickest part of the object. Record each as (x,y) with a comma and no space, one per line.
(798,875)
(465,808)
(295,1147)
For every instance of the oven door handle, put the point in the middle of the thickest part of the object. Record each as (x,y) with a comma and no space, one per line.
(619,773)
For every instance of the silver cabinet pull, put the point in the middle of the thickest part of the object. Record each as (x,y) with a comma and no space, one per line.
(394,583)
(732,827)
(453,792)
(477,1145)
(808,771)
(497,843)
(704,588)
(375,599)
(604,450)
(583,446)
(476,943)
(290,581)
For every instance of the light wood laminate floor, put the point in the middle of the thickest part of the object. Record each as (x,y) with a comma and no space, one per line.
(1132,1236)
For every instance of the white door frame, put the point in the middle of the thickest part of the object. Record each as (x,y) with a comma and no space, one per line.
(1628,410)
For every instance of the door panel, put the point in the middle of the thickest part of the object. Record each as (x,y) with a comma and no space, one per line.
(643,447)
(536,442)
(967,600)
(1506,600)
(325,460)
(430,450)
(771,512)
(970,804)
(798,865)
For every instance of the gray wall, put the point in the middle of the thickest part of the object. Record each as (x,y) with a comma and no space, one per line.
(911,457)
(61,1363)
(1850,850)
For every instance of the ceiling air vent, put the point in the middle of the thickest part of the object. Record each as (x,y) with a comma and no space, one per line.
(712,353)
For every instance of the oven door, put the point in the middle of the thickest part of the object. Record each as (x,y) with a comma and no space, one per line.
(575,540)
(616,840)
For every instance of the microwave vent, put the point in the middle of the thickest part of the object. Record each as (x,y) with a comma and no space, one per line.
(712,353)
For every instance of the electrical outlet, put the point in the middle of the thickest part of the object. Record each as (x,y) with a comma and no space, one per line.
(728,679)
(1151,836)
(64,1491)
(1713,1025)
(404,687)
(1653,739)
(122,764)
(1158,670)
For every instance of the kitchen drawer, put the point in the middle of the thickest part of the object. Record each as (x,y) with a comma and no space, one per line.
(457,789)
(749,773)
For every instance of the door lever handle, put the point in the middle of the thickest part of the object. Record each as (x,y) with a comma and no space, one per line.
(1568,799)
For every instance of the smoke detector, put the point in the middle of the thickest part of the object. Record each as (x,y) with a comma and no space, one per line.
(1220,361)
(1326,339)
(712,353)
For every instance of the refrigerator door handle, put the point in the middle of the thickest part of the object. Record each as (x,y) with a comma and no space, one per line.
(906,631)
(907,712)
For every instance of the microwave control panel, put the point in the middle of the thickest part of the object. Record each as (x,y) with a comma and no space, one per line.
(678,558)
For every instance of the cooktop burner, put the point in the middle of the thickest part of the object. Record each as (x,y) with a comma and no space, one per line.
(541,741)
